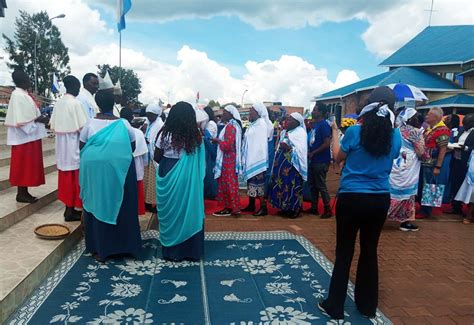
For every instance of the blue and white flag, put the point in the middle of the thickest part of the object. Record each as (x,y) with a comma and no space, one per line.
(123,6)
(55,86)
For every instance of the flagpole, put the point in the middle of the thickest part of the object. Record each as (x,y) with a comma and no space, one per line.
(120,49)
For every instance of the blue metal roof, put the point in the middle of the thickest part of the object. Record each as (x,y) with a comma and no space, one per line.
(460,100)
(436,45)
(420,78)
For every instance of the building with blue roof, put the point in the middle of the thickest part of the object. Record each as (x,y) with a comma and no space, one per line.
(460,103)
(439,61)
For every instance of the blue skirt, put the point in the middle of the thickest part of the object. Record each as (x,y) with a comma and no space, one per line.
(105,239)
(191,249)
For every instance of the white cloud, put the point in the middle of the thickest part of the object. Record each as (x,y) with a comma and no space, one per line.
(391,30)
(391,23)
(289,79)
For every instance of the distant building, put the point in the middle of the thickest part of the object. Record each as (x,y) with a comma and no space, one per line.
(439,61)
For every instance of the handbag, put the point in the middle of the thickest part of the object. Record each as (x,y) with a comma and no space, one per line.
(432,195)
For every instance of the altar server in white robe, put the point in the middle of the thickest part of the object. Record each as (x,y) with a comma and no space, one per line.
(25,129)
(90,84)
(154,125)
(67,120)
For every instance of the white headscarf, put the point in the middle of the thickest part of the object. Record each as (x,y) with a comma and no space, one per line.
(154,108)
(234,111)
(382,111)
(263,113)
(201,118)
(255,148)
(298,140)
(407,114)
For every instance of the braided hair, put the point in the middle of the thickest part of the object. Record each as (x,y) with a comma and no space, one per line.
(181,128)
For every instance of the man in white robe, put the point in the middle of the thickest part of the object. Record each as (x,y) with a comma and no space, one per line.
(67,120)
(25,130)
(90,84)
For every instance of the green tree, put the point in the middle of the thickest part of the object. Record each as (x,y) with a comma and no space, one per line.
(129,81)
(213,103)
(52,54)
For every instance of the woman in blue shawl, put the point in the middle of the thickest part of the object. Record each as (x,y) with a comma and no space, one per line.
(108,182)
(181,156)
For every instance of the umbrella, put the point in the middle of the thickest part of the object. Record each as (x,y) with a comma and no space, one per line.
(405,92)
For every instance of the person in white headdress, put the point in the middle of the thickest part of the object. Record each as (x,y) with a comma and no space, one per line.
(67,120)
(25,129)
(118,99)
(228,162)
(255,157)
(290,168)
(154,125)
(405,172)
(90,84)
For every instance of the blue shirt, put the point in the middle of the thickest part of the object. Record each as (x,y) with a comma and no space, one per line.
(364,173)
(321,130)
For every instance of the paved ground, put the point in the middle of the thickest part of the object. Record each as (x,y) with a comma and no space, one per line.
(425,277)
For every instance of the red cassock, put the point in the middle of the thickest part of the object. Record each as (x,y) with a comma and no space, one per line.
(26,166)
(68,188)
(141,198)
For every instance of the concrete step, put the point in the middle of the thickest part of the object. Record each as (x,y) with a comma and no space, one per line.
(5,155)
(12,212)
(25,260)
(49,167)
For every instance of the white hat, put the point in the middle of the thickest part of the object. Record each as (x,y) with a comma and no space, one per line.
(154,108)
(117,88)
(106,82)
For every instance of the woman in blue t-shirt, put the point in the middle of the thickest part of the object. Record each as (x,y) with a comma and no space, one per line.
(368,150)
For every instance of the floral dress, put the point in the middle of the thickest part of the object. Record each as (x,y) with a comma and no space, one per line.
(286,184)
(228,186)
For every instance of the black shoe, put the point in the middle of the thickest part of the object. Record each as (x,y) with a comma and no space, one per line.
(249,208)
(223,213)
(313,211)
(72,217)
(26,199)
(408,226)
(326,215)
(262,212)
(294,215)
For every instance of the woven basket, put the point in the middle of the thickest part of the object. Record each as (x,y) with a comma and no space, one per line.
(52,231)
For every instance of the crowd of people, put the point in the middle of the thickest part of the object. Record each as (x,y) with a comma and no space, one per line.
(110,172)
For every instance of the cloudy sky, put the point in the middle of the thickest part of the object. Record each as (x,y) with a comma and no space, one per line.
(280,50)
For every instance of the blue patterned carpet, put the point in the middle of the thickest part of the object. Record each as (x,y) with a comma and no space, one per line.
(246,278)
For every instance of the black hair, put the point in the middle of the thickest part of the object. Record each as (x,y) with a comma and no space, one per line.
(105,100)
(468,121)
(455,121)
(376,133)
(322,108)
(210,113)
(70,82)
(87,77)
(126,113)
(20,78)
(181,128)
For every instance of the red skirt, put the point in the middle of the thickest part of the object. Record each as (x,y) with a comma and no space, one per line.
(68,188)
(141,198)
(26,166)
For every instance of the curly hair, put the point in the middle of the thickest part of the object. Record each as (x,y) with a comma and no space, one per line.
(181,128)
(376,134)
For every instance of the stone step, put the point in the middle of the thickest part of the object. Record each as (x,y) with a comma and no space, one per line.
(5,155)
(12,212)
(49,167)
(25,260)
